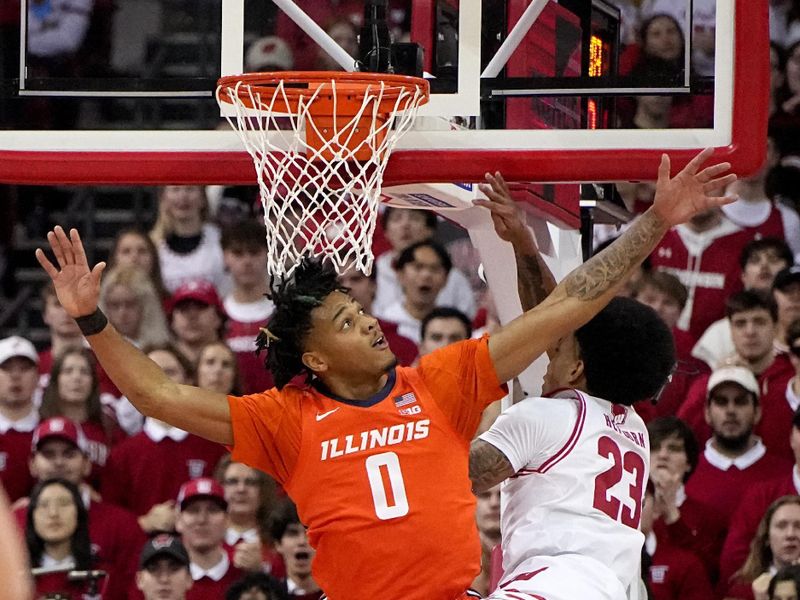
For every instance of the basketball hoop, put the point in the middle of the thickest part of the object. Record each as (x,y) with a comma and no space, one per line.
(320,142)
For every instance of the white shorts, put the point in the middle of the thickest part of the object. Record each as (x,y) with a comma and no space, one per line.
(565,577)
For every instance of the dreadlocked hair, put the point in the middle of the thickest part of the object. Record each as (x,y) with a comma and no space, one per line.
(286,332)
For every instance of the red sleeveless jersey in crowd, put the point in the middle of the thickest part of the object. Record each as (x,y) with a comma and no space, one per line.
(382,484)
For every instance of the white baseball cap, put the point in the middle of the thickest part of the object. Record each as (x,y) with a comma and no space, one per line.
(17,346)
(744,377)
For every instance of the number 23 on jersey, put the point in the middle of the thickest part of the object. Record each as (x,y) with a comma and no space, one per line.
(604,499)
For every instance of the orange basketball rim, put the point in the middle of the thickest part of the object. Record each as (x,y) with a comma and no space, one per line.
(344,114)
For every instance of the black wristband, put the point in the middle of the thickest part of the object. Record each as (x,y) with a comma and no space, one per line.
(93,323)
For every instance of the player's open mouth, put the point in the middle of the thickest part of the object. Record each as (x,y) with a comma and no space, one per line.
(380,342)
(302,555)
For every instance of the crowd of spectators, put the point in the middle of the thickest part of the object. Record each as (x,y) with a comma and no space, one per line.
(96,486)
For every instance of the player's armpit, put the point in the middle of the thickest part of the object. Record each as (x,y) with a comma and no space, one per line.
(487,466)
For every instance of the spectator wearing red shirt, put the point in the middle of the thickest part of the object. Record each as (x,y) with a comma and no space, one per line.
(64,333)
(660,58)
(786,293)
(247,306)
(753,326)
(292,544)
(755,212)
(305,50)
(681,521)
(164,569)
(18,415)
(60,450)
(699,254)
(752,507)
(196,316)
(202,522)
(250,495)
(73,392)
(217,369)
(674,573)
(734,458)
(776,545)
(57,536)
(63,330)
(761,260)
(666,295)
(144,472)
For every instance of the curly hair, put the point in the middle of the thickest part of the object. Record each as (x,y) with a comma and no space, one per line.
(627,350)
(288,328)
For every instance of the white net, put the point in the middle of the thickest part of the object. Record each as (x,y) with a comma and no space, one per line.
(320,171)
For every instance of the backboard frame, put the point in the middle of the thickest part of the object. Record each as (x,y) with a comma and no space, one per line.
(159,157)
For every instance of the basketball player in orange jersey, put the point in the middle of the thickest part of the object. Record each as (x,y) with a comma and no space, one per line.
(374,455)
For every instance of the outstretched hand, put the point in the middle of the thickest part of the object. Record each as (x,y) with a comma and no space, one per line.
(77,287)
(509,223)
(688,193)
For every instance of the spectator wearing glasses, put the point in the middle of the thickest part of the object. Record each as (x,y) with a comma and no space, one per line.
(250,495)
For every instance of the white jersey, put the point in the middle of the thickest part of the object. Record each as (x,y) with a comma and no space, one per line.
(582,464)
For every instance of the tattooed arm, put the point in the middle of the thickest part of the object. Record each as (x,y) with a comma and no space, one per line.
(487,466)
(587,289)
(534,279)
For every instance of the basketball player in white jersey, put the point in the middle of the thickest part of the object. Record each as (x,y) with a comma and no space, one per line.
(577,462)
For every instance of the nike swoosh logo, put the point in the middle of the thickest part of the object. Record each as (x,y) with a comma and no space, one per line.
(321,416)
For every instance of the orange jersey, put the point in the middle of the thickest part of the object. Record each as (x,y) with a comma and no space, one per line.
(382,484)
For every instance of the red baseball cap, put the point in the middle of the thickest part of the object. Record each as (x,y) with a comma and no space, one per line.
(61,428)
(199,290)
(202,487)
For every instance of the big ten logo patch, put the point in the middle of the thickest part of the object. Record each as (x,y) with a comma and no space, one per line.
(196,467)
(407,404)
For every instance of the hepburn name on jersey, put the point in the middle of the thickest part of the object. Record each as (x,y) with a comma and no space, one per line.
(374,438)
(637,437)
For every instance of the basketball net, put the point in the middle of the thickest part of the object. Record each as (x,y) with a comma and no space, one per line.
(320,143)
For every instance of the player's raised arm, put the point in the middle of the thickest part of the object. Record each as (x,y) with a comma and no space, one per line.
(190,408)
(587,289)
(534,279)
